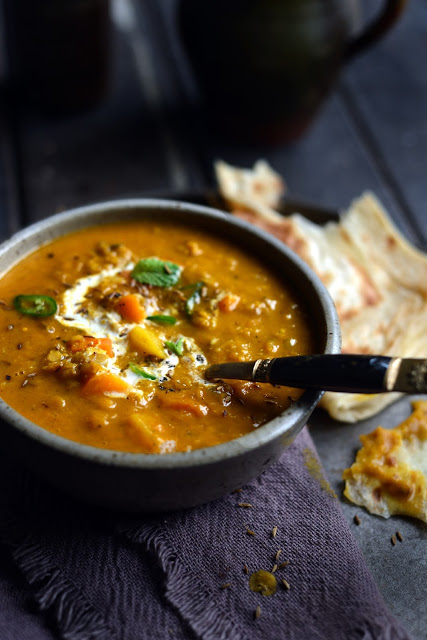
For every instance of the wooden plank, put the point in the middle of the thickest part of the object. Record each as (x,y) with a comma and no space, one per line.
(115,150)
(387,87)
(330,165)
(174,108)
(11,195)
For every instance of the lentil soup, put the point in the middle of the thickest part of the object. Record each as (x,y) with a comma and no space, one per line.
(105,342)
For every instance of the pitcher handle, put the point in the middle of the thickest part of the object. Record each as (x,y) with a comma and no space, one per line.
(375,30)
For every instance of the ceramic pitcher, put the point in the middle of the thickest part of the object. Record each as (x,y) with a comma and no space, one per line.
(264,67)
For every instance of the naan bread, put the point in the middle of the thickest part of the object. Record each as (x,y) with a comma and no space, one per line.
(258,190)
(378,282)
(389,475)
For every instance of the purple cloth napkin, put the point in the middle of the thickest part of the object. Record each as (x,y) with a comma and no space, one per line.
(74,572)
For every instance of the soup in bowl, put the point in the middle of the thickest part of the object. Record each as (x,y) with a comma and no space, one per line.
(111,314)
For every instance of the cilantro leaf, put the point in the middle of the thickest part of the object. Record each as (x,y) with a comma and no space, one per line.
(158,273)
(194,298)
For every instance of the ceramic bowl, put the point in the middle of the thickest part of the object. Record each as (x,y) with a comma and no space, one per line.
(152,482)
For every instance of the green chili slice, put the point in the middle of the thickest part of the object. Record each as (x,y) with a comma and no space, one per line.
(141,372)
(160,319)
(35,305)
(176,347)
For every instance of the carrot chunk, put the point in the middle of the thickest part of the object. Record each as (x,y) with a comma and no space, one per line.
(228,303)
(80,343)
(106,345)
(183,402)
(105,383)
(130,308)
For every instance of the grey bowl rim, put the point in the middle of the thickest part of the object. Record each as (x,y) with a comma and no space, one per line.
(278,427)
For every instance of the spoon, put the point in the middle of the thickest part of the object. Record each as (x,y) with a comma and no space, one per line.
(331,372)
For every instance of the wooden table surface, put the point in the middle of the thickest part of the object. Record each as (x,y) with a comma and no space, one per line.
(147,136)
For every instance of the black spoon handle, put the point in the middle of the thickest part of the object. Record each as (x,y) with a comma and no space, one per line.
(332,372)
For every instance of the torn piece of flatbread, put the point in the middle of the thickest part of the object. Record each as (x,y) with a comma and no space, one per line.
(378,282)
(389,475)
(258,189)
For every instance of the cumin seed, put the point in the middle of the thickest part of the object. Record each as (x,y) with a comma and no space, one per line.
(283,564)
(245,505)
(274,569)
(286,584)
(257,612)
(393,540)
(226,585)
(237,491)
(250,532)
(246,569)
(274,532)
(399,536)
(278,552)
(356,520)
